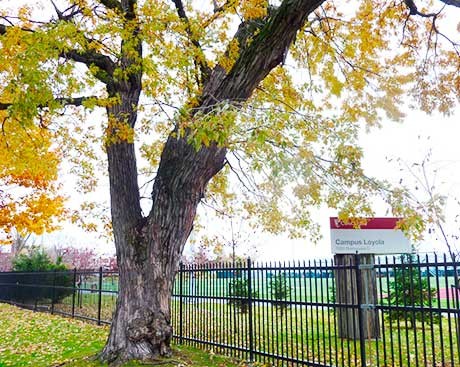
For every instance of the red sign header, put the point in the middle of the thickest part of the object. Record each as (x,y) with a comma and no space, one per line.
(372,223)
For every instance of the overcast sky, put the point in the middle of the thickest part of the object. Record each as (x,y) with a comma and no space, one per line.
(410,141)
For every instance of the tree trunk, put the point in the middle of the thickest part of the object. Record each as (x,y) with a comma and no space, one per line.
(149,248)
(141,326)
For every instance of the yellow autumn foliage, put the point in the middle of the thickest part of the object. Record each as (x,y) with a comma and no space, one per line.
(29,198)
(294,144)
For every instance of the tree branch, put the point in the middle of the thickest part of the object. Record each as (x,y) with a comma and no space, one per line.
(112,4)
(64,101)
(61,14)
(452,2)
(76,101)
(218,11)
(90,58)
(4,29)
(268,49)
(414,10)
(199,62)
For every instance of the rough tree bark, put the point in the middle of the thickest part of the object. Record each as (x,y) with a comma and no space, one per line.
(149,248)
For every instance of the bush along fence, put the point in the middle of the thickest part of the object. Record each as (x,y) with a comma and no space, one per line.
(354,311)
(85,294)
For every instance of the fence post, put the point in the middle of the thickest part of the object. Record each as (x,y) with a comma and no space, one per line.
(362,341)
(99,305)
(181,282)
(73,292)
(250,315)
(456,289)
(53,293)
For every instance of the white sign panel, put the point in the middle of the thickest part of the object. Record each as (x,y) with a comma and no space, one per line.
(378,236)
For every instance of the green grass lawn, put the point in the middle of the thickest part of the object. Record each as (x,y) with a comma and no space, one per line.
(307,333)
(42,340)
(311,334)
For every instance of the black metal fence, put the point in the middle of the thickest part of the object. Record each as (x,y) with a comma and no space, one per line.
(356,311)
(85,294)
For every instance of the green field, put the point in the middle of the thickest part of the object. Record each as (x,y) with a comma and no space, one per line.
(302,289)
(303,332)
(310,334)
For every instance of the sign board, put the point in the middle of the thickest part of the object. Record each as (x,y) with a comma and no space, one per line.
(378,236)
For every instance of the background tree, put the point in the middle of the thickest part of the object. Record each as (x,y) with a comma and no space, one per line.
(19,242)
(433,200)
(29,198)
(48,274)
(280,290)
(212,99)
(238,291)
(36,260)
(80,258)
(230,240)
(5,261)
(410,288)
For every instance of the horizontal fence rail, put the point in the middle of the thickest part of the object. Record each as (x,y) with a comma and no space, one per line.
(357,310)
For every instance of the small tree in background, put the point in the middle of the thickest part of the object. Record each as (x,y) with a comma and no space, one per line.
(410,289)
(80,258)
(5,261)
(239,289)
(37,260)
(40,286)
(109,263)
(84,258)
(279,290)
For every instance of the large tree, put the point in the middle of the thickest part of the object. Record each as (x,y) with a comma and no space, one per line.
(275,89)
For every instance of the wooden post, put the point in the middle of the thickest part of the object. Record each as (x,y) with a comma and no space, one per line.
(353,300)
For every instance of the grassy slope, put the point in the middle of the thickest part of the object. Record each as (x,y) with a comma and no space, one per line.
(42,340)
